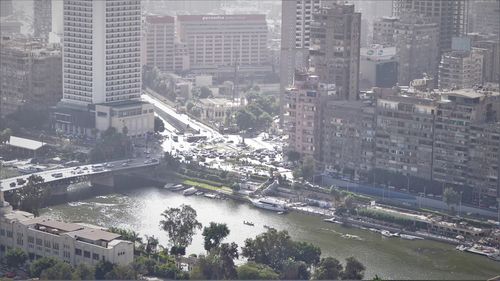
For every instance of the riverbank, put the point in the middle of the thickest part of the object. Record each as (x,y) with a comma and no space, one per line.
(140,208)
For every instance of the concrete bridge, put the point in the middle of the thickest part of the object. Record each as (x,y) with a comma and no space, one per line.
(59,179)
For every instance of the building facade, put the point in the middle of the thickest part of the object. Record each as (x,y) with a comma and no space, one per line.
(484,17)
(378,67)
(6,8)
(460,69)
(42,19)
(302,102)
(160,40)
(102,49)
(383,31)
(224,40)
(136,116)
(335,47)
(70,242)
(450,16)
(30,75)
(417,42)
(296,18)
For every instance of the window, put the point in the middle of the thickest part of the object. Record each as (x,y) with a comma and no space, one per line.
(39,241)
(2,231)
(46,243)
(31,239)
(86,254)
(78,252)
(9,233)
(95,256)
(55,246)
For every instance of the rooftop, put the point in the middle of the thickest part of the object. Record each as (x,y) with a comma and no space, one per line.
(93,234)
(25,143)
(218,102)
(242,17)
(124,103)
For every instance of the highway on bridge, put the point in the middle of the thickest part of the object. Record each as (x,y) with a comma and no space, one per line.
(78,171)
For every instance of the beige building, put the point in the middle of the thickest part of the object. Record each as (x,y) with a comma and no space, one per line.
(335,47)
(70,242)
(217,109)
(417,42)
(224,40)
(30,74)
(136,116)
(460,69)
(301,119)
(160,41)
(383,31)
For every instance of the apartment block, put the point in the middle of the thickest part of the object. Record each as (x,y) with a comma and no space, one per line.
(417,42)
(296,18)
(6,8)
(383,31)
(335,47)
(301,120)
(450,16)
(348,137)
(70,242)
(456,112)
(42,19)
(484,16)
(404,135)
(30,74)
(378,67)
(224,40)
(460,69)
(160,40)
(489,47)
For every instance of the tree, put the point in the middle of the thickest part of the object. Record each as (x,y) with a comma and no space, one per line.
(294,270)
(5,135)
(102,268)
(227,253)
(451,197)
(307,168)
(40,265)
(271,248)
(125,130)
(306,252)
(328,269)
(293,155)
(180,224)
(256,271)
(15,257)
(111,145)
(121,272)
(354,270)
(349,202)
(33,195)
(214,234)
(151,244)
(60,271)
(205,92)
(245,119)
(83,272)
(159,126)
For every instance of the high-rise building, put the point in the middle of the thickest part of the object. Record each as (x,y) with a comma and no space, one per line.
(42,19)
(417,41)
(224,40)
(484,16)
(30,75)
(102,48)
(6,8)
(450,15)
(296,18)
(460,69)
(383,31)
(335,47)
(301,118)
(102,69)
(160,40)
(489,47)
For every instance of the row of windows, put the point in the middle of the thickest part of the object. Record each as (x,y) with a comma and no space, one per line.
(86,254)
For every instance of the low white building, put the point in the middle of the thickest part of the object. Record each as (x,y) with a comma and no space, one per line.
(217,109)
(137,116)
(70,242)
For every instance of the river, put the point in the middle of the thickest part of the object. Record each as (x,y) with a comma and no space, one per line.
(391,258)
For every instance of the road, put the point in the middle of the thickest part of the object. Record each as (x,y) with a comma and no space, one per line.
(77,171)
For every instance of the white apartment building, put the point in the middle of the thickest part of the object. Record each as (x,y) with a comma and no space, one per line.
(136,116)
(160,40)
(102,51)
(69,242)
(460,70)
(224,40)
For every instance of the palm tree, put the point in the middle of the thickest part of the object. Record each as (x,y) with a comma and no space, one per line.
(151,244)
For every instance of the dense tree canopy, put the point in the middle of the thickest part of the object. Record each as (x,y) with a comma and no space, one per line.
(180,224)
(15,257)
(214,234)
(112,145)
(256,271)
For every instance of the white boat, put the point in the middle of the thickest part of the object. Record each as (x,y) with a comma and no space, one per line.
(210,195)
(248,223)
(199,193)
(190,191)
(269,204)
(168,186)
(410,237)
(333,220)
(387,233)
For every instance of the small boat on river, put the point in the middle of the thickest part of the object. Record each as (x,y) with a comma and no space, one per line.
(248,223)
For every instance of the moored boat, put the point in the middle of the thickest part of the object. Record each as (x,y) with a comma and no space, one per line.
(248,223)
(190,191)
(410,237)
(269,204)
